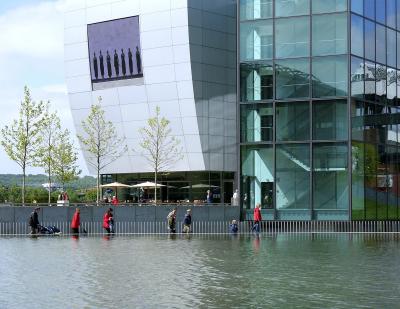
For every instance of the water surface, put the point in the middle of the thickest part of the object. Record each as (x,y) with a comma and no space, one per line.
(270,271)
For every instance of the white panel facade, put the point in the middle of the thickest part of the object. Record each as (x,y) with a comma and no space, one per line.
(194,93)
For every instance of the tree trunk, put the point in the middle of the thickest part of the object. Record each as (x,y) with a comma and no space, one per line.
(49,186)
(98,187)
(155,188)
(23,185)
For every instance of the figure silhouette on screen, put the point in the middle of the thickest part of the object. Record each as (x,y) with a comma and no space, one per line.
(130,61)
(138,61)
(109,65)
(116,63)
(123,65)
(101,65)
(95,67)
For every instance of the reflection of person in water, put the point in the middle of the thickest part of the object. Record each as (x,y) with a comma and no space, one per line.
(101,65)
(123,65)
(138,61)
(95,67)
(116,63)
(109,65)
(130,61)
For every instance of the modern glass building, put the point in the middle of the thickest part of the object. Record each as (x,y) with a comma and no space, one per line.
(179,56)
(319,108)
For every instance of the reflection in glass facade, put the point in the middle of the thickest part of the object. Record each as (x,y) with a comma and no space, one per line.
(320,114)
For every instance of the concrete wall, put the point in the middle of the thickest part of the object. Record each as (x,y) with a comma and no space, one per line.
(19,214)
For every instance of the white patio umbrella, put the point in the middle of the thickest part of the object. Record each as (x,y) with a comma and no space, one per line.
(115,186)
(147,184)
(200,186)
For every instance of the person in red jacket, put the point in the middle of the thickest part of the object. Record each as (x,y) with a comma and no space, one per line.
(76,222)
(257,218)
(114,201)
(106,220)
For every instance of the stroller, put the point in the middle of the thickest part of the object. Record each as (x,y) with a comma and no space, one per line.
(48,230)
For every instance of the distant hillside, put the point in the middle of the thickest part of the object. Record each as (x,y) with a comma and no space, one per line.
(9,180)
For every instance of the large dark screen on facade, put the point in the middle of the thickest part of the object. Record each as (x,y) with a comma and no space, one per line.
(114,50)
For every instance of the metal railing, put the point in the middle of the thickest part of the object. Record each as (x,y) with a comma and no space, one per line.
(216,227)
(120,204)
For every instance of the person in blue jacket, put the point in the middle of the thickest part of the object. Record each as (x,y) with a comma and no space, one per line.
(187,221)
(233,227)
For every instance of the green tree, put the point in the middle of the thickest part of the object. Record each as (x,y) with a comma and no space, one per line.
(65,160)
(22,138)
(101,142)
(51,132)
(160,149)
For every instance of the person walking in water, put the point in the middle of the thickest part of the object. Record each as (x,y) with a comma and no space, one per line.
(172,221)
(257,218)
(187,221)
(233,227)
(106,220)
(34,221)
(76,222)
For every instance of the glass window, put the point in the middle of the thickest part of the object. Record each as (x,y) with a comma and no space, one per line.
(370,164)
(398,14)
(323,6)
(357,6)
(292,78)
(391,48)
(292,121)
(392,176)
(257,175)
(380,80)
(256,82)
(369,81)
(358,192)
(369,39)
(256,123)
(391,86)
(291,7)
(255,9)
(382,183)
(329,76)
(357,120)
(292,37)
(398,89)
(329,34)
(398,50)
(330,181)
(256,40)
(369,8)
(380,44)
(293,177)
(357,35)
(380,7)
(330,120)
(357,77)
(391,13)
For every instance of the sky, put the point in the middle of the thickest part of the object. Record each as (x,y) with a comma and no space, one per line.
(32,54)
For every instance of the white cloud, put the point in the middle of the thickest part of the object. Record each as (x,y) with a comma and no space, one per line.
(33,31)
(31,54)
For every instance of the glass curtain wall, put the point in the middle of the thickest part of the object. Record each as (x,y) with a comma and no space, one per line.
(294,107)
(375,113)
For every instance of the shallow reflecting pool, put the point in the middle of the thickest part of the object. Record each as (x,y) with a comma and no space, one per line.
(270,271)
